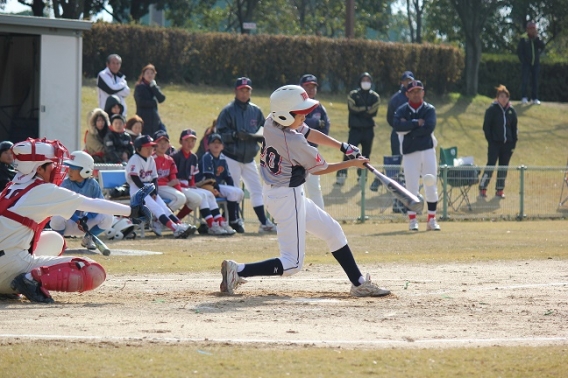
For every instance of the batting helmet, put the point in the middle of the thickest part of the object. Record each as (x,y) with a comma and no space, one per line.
(81,160)
(5,146)
(290,99)
(30,154)
(122,228)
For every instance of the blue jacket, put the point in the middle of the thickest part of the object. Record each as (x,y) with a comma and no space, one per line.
(416,138)
(395,102)
(234,123)
(318,120)
(216,168)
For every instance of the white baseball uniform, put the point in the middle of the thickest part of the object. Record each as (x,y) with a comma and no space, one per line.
(286,159)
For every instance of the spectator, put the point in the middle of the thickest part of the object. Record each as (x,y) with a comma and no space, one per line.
(236,122)
(79,180)
(529,49)
(213,165)
(117,144)
(204,142)
(415,122)
(111,81)
(500,128)
(7,170)
(168,183)
(188,169)
(134,127)
(317,119)
(140,171)
(97,129)
(113,106)
(395,102)
(147,95)
(363,104)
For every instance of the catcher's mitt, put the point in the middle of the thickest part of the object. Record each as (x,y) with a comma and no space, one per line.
(206,182)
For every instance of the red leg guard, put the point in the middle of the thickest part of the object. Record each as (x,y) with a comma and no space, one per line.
(76,275)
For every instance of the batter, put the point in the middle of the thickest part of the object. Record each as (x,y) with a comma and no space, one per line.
(286,159)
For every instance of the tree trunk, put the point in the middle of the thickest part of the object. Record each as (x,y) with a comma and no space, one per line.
(472,59)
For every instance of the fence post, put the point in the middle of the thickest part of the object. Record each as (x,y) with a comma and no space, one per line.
(362,182)
(522,214)
(444,171)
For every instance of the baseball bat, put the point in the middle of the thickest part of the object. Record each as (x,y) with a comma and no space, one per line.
(98,242)
(409,200)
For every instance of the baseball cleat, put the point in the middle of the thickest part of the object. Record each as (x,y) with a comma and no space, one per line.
(183,230)
(88,242)
(216,229)
(413,225)
(30,289)
(500,194)
(225,226)
(368,289)
(238,226)
(432,225)
(267,227)
(231,279)
(483,193)
(156,227)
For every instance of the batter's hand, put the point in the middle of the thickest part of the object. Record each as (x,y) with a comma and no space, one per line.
(351,151)
(360,162)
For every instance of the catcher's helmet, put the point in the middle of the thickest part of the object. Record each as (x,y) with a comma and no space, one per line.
(287,99)
(30,154)
(81,160)
(122,228)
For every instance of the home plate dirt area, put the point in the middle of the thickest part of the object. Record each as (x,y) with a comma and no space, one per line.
(449,305)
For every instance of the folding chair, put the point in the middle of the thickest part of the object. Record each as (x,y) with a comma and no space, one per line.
(392,166)
(461,177)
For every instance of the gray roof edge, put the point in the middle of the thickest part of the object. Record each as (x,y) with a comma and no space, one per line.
(42,22)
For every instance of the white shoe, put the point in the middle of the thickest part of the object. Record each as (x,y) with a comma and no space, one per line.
(536,102)
(231,279)
(368,289)
(524,101)
(215,229)
(88,243)
(156,227)
(432,225)
(225,226)
(268,227)
(413,225)
(183,230)
(340,180)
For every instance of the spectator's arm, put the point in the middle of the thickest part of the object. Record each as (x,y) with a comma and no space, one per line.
(106,85)
(402,124)
(225,126)
(487,125)
(352,105)
(390,114)
(143,98)
(111,153)
(158,93)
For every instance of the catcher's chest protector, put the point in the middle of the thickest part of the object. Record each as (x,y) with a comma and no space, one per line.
(76,275)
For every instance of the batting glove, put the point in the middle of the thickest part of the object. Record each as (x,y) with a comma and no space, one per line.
(351,151)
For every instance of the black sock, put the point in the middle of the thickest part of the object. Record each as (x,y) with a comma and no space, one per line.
(164,219)
(233,208)
(432,206)
(205,213)
(215,212)
(259,210)
(345,258)
(272,267)
(174,219)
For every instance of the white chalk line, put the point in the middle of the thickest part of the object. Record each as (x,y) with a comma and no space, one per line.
(381,342)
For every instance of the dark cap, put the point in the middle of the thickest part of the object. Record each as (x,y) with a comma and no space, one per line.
(308,79)
(213,137)
(117,116)
(161,134)
(5,146)
(187,133)
(407,75)
(414,84)
(143,141)
(243,82)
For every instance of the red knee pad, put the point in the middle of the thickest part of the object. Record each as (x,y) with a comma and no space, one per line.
(76,275)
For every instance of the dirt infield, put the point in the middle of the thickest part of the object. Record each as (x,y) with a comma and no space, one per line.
(479,304)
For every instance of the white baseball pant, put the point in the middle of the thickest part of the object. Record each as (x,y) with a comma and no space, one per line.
(192,198)
(248,172)
(231,193)
(208,200)
(176,198)
(71,228)
(418,164)
(313,187)
(157,206)
(295,214)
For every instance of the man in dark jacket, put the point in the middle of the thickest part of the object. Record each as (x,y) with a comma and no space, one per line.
(529,49)
(363,105)
(7,170)
(236,124)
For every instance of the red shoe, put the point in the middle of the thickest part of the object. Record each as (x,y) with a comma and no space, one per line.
(483,193)
(500,194)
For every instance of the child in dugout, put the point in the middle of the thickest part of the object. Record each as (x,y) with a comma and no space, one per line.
(79,180)
(214,166)
(140,171)
(188,169)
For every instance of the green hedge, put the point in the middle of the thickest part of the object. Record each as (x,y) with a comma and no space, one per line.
(269,60)
(506,70)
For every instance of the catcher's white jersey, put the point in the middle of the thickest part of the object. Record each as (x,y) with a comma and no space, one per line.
(143,168)
(286,157)
(38,204)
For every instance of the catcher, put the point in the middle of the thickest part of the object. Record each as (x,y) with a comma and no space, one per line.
(214,170)
(29,258)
